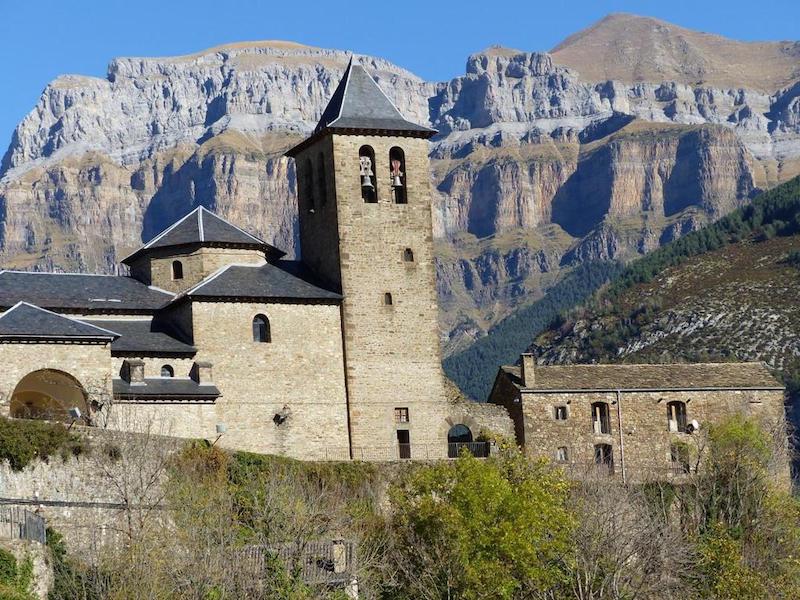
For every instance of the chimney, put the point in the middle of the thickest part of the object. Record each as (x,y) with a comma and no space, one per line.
(201,373)
(528,367)
(133,371)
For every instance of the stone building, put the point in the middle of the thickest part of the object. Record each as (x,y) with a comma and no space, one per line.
(213,333)
(636,421)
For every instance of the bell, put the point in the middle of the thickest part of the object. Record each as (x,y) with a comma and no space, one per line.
(366,182)
(396,181)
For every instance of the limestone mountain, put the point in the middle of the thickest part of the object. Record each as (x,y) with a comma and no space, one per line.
(538,167)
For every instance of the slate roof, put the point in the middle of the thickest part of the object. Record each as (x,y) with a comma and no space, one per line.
(138,337)
(173,389)
(89,293)
(201,226)
(287,280)
(358,103)
(26,321)
(654,377)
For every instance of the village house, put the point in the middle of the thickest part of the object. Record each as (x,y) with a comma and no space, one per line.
(633,421)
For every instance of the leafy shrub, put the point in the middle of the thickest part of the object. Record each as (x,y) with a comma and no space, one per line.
(22,442)
(15,578)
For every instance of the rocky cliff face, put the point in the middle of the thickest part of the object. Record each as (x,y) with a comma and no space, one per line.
(528,149)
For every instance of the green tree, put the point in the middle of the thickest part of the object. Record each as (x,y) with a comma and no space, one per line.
(497,528)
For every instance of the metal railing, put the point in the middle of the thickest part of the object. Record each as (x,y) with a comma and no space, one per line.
(329,563)
(20,524)
(477,449)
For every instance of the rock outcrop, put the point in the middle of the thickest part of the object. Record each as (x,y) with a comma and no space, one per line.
(595,169)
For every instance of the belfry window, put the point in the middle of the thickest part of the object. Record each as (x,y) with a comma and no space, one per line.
(167,371)
(308,184)
(676,416)
(323,184)
(408,255)
(261,329)
(601,423)
(369,182)
(177,269)
(397,172)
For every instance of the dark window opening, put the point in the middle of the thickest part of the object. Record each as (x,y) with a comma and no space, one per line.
(604,455)
(369,181)
(601,423)
(177,269)
(459,439)
(404,443)
(387,299)
(561,413)
(408,255)
(676,416)
(261,329)
(323,183)
(397,172)
(562,454)
(167,371)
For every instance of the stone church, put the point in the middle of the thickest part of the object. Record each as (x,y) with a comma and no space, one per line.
(213,334)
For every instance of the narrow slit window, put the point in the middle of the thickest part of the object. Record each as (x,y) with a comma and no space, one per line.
(387,299)
(408,255)
(369,181)
(397,172)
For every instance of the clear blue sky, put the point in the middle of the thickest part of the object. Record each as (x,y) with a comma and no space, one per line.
(40,39)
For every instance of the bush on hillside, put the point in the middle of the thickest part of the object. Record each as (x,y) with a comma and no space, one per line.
(23,441)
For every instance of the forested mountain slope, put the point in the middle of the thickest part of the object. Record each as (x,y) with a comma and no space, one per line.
(726,292)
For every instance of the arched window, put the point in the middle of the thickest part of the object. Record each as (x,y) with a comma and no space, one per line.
(676,416)
(397,172)
(167,371)
(323,184)
(308,184)
(601,423)
(261,329)
(369,181)
(387,299)
(177,269)
(408,255)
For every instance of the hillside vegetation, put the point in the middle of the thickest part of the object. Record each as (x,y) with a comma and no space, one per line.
(726,292)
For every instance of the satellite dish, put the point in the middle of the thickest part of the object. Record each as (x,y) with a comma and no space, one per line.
(75,412)
(693,426)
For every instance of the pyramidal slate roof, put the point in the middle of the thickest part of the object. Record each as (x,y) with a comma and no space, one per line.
(201,226)
(359,104)
(26,321)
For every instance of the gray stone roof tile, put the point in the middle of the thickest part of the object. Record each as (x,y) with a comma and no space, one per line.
(139,337)
(91,293)
(26,321)
(173,389)
(650,376)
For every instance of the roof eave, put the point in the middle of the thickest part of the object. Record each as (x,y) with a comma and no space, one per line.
(318,135)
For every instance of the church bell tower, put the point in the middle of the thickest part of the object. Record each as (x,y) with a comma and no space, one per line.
(363,181)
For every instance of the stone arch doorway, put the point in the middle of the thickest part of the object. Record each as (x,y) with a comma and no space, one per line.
(459,437)
(48,394)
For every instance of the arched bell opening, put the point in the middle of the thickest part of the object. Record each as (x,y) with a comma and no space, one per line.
(369,181)
(397,172)
(49,395)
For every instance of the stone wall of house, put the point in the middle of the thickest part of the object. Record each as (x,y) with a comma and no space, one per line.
(89,365)
(393,352)
(156,268)
(639,433)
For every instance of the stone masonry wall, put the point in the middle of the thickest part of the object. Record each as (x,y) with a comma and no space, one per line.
(89,364)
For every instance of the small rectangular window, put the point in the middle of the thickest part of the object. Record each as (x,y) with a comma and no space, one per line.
(401,415)
(561,413)
(562,454)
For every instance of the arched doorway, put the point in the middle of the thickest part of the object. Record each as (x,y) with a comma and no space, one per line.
(460,436)
(48,394)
